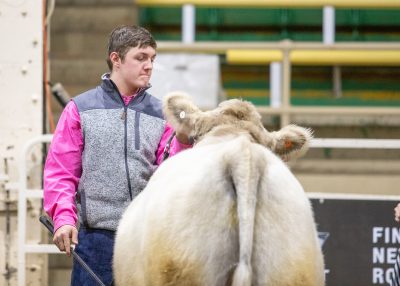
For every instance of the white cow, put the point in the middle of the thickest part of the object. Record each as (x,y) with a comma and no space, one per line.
(226,212)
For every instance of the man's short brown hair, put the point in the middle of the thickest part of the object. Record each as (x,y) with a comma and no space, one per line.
(123,38)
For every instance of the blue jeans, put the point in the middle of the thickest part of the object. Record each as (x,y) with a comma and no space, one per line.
(95,247)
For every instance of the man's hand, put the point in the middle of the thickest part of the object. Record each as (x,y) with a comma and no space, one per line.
(397,213)
(183,138)
(64,236)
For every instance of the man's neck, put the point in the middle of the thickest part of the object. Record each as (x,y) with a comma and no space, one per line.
(122,87)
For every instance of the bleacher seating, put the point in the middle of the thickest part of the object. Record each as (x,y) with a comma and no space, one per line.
(310,85)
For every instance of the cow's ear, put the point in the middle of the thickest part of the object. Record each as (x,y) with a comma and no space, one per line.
(180,111)
(290,142)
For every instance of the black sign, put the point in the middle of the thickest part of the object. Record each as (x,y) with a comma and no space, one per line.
(359,239)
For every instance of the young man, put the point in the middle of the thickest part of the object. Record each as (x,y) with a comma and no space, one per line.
(107,144)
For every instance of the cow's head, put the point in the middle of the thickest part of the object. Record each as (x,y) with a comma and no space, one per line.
(232,118)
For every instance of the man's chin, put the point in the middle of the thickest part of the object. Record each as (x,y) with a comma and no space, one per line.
(143,84)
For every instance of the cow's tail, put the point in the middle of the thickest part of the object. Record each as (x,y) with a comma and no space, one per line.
(246,172)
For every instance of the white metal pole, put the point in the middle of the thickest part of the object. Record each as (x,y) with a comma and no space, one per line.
(329,39)
(275,79)
(188,23)
(328,25)
(286,86)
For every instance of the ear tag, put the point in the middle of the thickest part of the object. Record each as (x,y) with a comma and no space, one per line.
(182,115)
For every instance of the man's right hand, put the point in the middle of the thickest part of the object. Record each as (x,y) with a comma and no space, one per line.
(64,237)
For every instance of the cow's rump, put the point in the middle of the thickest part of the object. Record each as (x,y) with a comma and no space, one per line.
(227,212)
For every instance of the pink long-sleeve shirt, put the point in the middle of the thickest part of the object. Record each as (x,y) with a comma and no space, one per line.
(63,166)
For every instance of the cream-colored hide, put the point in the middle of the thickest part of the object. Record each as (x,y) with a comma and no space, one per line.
(226,212)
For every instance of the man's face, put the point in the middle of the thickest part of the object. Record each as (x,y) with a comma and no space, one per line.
(136,68)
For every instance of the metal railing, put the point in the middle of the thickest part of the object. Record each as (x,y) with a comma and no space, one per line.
(188,23)
(280,56)
(24,194)
(275,3)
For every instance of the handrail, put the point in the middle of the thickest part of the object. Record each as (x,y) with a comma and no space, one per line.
(304,53)
(222,47)
(360,54)
(355,143)
(275,3)
(325,110)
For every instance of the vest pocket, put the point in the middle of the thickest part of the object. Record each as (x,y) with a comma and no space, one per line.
(82,199)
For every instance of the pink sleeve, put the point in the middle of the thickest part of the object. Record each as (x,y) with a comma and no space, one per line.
(175,146)
(63,168)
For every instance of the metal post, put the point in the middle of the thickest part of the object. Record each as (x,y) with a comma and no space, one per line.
(188,23)
(275,79)
(328,39)
(328,25)
(286,85)
(337,81)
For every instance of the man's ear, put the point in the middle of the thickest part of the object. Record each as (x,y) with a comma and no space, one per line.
(180,111)
(114,58)
(290,142)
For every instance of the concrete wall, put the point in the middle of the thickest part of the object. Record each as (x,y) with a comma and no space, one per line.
(21,113)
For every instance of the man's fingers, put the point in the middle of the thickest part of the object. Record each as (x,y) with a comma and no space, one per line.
(74,236)
(60,243)
(67,243)
(64,237)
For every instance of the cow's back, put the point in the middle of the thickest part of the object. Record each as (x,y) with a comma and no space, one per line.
(183,228)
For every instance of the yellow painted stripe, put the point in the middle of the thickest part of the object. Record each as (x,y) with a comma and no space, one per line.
(343,57)
(317,57)
(275,3)
(253,56)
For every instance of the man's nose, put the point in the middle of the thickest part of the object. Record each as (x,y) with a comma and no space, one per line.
(148,64)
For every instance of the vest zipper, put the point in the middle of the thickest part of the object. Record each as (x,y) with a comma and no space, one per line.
(124,117)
